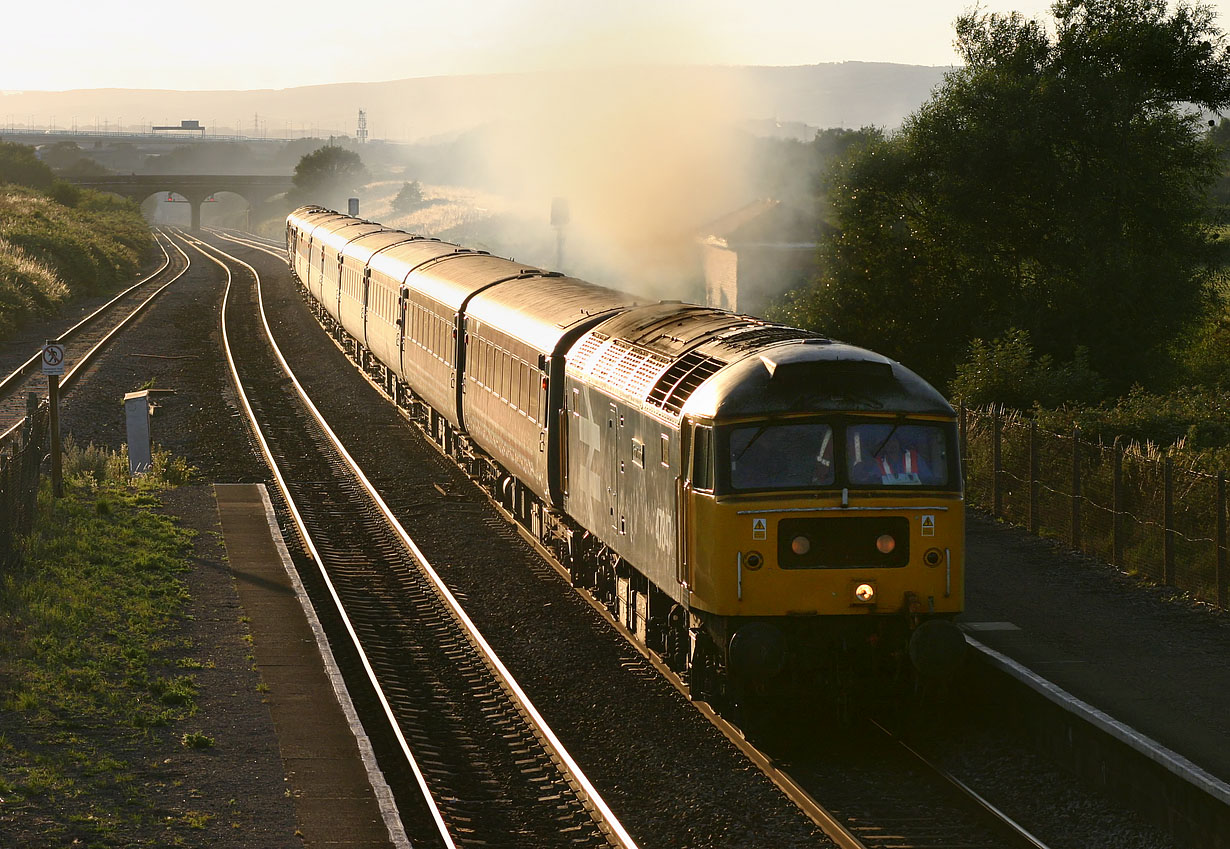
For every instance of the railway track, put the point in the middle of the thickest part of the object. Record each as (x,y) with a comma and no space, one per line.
(84,340)
(897,797)
(475,763)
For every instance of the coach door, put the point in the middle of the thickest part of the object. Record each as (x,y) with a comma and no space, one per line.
(401,330)
(610,450)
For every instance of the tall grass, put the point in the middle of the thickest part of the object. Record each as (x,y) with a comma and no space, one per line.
(51,252)
(91,655)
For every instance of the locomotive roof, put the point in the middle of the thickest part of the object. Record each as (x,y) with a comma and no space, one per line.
(815,375)
(541,308)
(674,359)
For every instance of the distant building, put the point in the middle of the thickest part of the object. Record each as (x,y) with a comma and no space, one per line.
(755,254)
(184,127)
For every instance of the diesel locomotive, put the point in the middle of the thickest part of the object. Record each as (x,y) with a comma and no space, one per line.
(760,505)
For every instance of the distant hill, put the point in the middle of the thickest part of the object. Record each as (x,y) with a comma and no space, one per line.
(847,94)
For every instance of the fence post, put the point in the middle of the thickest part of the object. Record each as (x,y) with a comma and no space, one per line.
(997,498)
(1222,577)
(35,435)
(1168,523)
(963,443)
(1116,523)
(1076,487)
(1033,477)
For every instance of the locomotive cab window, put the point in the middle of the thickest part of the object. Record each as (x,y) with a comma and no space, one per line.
(897,454)
(781,456)
(702,459)
(834,453)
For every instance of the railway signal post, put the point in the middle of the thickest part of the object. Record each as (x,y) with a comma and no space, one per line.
(53,367)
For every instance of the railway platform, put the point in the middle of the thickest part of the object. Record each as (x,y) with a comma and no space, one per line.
(326,766)
(1152,666)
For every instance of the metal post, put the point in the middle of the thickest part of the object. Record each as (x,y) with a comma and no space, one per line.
(53,400)
(1222,577)
(1033,477)
(1116,533)
(1076,487)
(963,443)
(1168,523)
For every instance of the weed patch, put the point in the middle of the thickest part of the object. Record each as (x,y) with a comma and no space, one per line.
(92,658)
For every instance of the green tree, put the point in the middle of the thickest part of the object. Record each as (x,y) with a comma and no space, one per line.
(328,176)
(409,198)
(1056,183)
(20,165)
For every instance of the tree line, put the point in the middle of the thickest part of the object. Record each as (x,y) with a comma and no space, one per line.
(1049,229)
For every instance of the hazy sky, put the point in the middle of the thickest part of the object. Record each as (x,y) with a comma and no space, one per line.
(252,44)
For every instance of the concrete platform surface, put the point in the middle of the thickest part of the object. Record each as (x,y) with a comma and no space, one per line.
(328,773)
(1154,663)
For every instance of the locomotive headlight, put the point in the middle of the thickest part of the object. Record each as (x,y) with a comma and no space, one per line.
(885,543)
(865,593)
(800,545)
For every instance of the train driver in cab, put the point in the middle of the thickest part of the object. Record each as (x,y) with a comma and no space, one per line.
(897,455)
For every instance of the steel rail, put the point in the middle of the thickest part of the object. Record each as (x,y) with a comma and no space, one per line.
(826,821)
(6,384)
(84,360)
(309,543)
(1018,831)
(572,768)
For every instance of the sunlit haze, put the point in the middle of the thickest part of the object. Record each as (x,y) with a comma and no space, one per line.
(635,111)
(229,44)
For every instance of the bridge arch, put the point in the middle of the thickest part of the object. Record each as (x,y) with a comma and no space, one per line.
(194,188)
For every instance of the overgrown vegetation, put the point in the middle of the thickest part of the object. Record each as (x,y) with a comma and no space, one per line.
(1045,231)
(59,242)
(90,658)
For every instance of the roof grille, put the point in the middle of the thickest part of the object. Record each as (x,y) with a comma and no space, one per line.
(587,349)
(677,384)
(627,367)
(749,338)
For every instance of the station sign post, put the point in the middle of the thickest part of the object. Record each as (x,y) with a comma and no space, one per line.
(53,367)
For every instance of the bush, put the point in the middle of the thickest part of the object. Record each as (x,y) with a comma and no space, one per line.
(1005,371)
(21,166)
(53,251)
(1192,422)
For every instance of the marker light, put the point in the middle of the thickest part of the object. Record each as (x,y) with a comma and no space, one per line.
(865,593)
(800,545)
(885,543)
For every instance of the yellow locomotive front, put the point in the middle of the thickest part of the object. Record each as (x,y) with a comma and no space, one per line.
(824,521)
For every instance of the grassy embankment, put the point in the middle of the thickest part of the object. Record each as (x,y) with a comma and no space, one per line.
(92,661)
(52,251)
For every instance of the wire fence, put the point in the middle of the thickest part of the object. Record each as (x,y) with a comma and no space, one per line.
(1129,506)
(21,463)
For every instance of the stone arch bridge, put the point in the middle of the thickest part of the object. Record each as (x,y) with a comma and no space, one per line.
(195,187)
